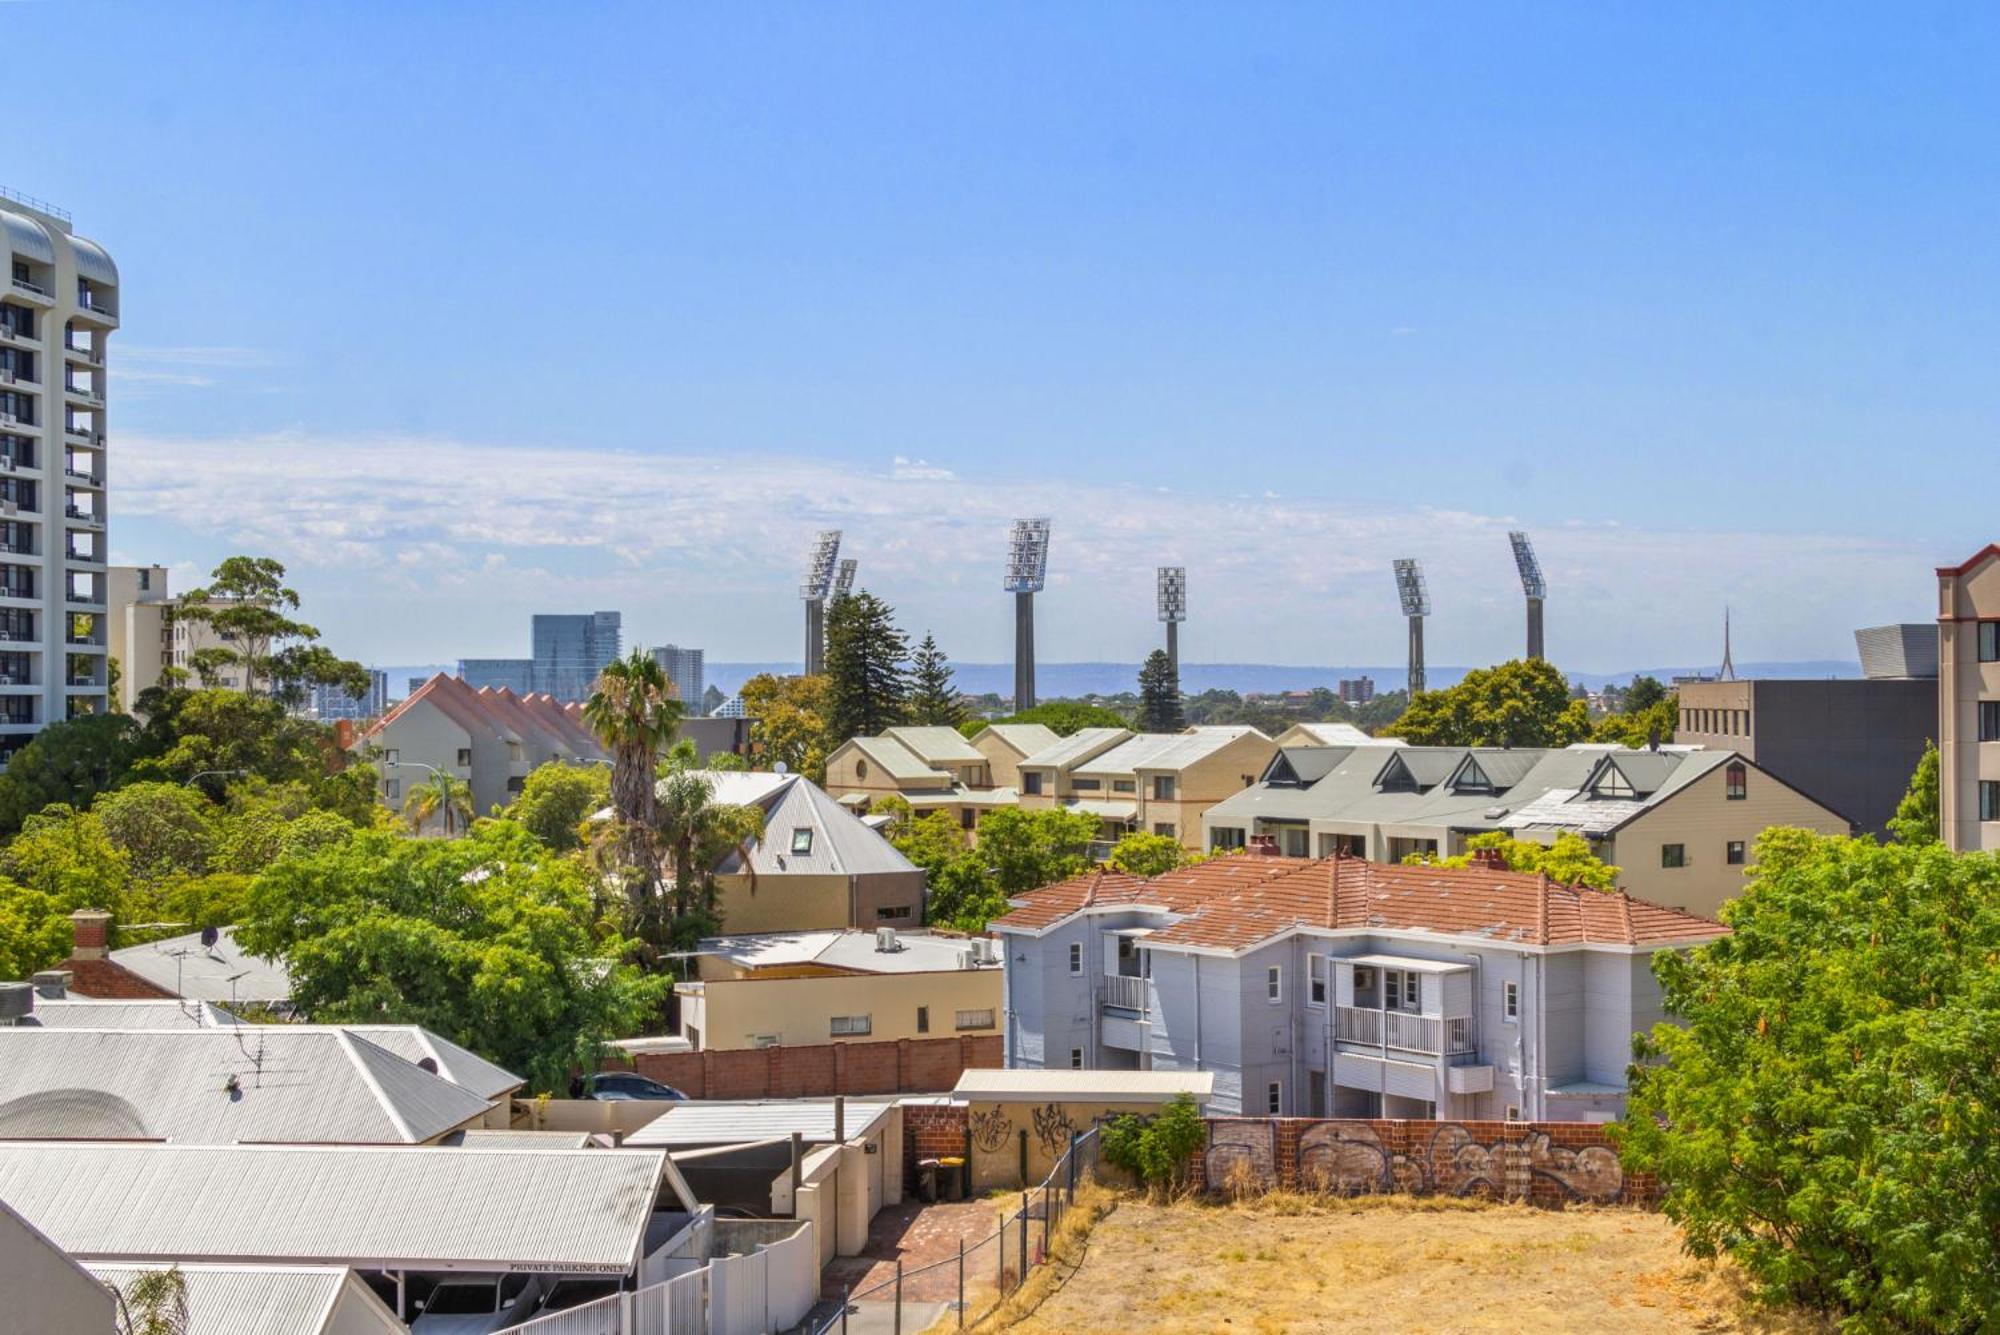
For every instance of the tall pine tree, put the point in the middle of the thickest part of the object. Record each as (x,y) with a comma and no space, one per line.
(1160,695)
(934,697)
(867,668)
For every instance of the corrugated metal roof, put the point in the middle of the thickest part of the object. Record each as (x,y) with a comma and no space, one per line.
(841,845)
(92,261)
(1107,1086)
(413,1208)
(937,745)
(1023,738)
(484,1139)
(87,1013)
(294,1085)
(1164,750)
(917,952)
(1079,746)
(266,1300)
(1333,734)
(692,1124)
(26,237)
(897,760)
(181,964)
(462,1067)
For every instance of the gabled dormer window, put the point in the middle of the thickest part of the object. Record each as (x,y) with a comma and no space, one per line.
(1611,782)
(1472,779)
(1396,778)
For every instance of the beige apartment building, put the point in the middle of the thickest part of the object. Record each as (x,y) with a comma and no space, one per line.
(141,629)
(795,989)
(1969,701)
(1156,783)
(935,769)
(58,307)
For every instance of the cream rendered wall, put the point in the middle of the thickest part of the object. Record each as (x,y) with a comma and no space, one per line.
(1201,785)
(799,1011)
(357,1311)
(137,631)
(801,903)
(43,1289)
(1702,819)
(1963,681)
(1003,761)
(423,732)
(843,775)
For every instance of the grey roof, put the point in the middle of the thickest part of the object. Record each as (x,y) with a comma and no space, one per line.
(1909,650)
(1334,734)
(705,1123)
(1163,750)
(479,1138)
(291,1084)
(897,760)
(461,1066)
(917,952)
(937,745)
(1023,738)
(92,261)
(841,844)
(422,1207)
(26,237)
(1307,764)
(182,965)
(268,1300)
(90,1013)
(1079,746)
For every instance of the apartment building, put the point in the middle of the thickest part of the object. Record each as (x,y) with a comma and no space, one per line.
(1158,783)
(140,629)
(326,702)
(1339,987)
(57,312)
(568,650)
(931,768)
(1968,735)
(684,668)
(1679,821)
(1849,744)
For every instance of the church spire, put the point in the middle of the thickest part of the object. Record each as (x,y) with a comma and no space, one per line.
(1728,672)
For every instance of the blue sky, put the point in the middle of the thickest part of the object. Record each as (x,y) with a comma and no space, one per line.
(467,311)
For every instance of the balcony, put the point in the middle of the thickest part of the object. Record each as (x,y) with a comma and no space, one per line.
(14,378)
(1402,1031)
(82,516)
(1124,993)
(79,433)
(87,479)
(88,356)
(85,598)
(90,309)
(83,558)
(83,397)
(9,422)
(34,292)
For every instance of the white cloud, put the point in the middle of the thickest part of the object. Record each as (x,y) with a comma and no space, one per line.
(418,549)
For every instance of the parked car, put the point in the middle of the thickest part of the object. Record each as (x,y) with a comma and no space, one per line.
(621,1085)
(477,1306)
(567,1293)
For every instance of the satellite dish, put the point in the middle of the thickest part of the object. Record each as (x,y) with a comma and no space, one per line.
(209,936)
(427,1064)
(781,768)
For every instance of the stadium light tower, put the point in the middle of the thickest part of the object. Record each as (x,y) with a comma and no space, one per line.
(1416,598)
(1173,609)
(1027,573)
(1533,585)
(843,583)
(818,584)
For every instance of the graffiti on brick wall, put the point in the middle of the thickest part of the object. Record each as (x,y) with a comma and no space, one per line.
(1350,1157)
(1242,1156)
(1053,1129)
(990,1129)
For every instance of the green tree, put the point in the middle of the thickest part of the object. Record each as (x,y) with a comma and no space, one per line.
(34,930)
(490,940)
(1062,717)
(727,762)
(1525,702)
(69,762)
(1030,849)
(1825,1111)
(65,854)
(247,606)
(868,679)
(789,722)
(556,799)
(634,713)
(227,737)
(1160,695)
(1568,861)
(442,798)
(1142,854)
(162,828)
(1157,1150)
(1643,694)
(934,697)
(1917,819)
(697,832)
(154,1302)
(1017,851)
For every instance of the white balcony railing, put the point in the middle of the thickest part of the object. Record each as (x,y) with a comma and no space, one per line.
(1406,1032)
(1125,993)
(32,289)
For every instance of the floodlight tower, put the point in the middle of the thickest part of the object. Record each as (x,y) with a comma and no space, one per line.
(1027,573)
(1173,609)
(1416,598)
(819,583)
(1533,585)
(843,583)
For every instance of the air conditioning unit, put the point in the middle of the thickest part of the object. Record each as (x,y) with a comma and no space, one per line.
(885,940)
(1364,977)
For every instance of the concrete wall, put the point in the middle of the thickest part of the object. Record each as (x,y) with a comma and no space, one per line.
(44,1289)
(905,1066)
(423,732)
(802,903)
(798,1011)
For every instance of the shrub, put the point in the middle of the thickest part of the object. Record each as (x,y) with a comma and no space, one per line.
(1156,1149)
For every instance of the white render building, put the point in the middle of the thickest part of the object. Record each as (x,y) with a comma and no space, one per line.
(57,310)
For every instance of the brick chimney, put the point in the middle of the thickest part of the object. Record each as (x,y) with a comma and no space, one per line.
(92,930)
(1490,858)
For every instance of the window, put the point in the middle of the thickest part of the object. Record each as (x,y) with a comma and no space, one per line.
(1513,1112)
(802,840)
(1163,787)
(1087,785)
(851,1024)
(1124,785)
(1989,800)
(1224,837)
(1402,990)
(891,912)
(923,1019)
(1075,958)
(1031,782)
(967,818)
(1989,720)
(1510,1002)
(392,789)
(1274,1098)
(1733,855)
(392,757)
(973,1019)
(1165,827)
(1364,978)
(1736,781)
(1316,980)
(860,769)
(1076,1059)
(464,757)
(1274,983)
(1673,855)
(1989,641)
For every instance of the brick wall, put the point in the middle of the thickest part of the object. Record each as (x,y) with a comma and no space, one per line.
(1547,1163)
(821,1070)
(932,1131)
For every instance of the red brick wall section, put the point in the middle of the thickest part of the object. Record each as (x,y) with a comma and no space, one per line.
(931,1131)
(1546,1163)
(821,1070)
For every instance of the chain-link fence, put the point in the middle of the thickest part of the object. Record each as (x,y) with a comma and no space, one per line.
(984,1272)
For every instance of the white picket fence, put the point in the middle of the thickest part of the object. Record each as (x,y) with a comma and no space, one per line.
(768,1290)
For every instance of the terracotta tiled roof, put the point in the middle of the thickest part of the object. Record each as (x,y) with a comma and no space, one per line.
(1231,903)
(503,714)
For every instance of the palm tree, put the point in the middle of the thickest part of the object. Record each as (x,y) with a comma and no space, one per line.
(633,711)
(698,831)
(154,1303)
(442,796)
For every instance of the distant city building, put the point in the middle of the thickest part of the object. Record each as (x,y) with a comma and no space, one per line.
(712,699)
(499,674)
(684,669)
(332,702)
(570,649)
(139,614)
(730,708)
(1357,690)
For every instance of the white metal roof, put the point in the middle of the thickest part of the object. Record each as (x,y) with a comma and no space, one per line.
(26,237)
(482,1139)
(1022,1086)
(184,966)
(89,1013)
(268,1300)
(461,1066)
(1407,962)
(1073,750)
(1164,750)
(916,952)
(418,1208)
(218,1086)
(701,1123)
(840,844)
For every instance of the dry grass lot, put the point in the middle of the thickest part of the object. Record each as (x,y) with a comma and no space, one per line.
(1385,1264)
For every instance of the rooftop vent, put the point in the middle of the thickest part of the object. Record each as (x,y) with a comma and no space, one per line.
(52,984)
(17,1003)
(886,942)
